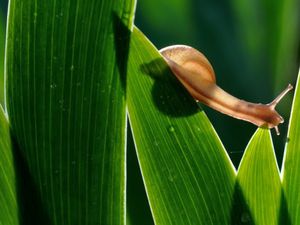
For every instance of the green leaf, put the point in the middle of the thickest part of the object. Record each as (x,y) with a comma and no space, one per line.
(291,163)
(258,182)
(188,176)
(66,63)
(8,193)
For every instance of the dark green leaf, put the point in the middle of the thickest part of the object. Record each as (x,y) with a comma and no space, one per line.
(66,63)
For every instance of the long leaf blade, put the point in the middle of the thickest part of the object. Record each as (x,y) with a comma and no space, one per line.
(258,182)
(188,176)
(65,100)
(291,163)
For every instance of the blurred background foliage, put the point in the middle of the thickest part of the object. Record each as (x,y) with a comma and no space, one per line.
(3,7)
(252,45)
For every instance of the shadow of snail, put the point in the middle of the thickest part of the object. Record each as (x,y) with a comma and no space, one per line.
(166,90)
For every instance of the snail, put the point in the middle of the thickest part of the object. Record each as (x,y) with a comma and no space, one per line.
(196,74)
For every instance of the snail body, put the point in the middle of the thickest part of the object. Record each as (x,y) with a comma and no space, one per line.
(196,74)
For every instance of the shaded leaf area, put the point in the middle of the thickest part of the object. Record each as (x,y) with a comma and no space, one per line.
(252,46)
(291,164)
(188,176)
(258,185)
(8,194)
(66,105)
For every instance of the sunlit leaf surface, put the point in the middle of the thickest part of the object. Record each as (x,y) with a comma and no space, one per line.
(66,63)
(188,176)
(258,187)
